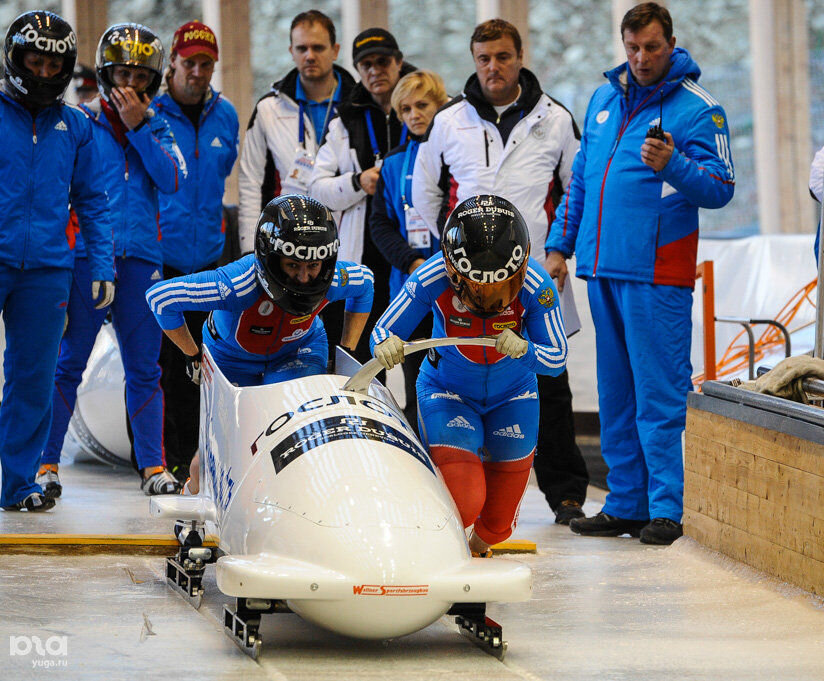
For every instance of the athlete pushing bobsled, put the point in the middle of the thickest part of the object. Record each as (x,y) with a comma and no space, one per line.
(264,326)
(478,407)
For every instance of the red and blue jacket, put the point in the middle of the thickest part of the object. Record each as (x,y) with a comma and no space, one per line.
(191,219)
(48,162)
(479,372)
(619,217)
(245,323)
(135,165)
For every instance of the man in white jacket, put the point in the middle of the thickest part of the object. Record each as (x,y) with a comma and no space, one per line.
(348,164)
(290,121)
(503,135)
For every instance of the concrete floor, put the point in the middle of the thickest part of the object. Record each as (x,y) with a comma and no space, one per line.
(602,609)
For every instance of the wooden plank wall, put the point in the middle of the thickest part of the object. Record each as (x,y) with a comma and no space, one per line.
(756,495)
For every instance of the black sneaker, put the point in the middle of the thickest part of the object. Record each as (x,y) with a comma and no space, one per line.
(569,510)
(34,503)
(603,525)
(661,531)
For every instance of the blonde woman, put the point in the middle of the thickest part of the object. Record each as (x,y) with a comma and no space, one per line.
(396,228)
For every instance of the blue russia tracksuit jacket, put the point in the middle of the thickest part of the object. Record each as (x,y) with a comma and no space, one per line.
(251,338)
(48,161)
(387,221)
(191,219)
(137,163)
(502,389)
(635,236)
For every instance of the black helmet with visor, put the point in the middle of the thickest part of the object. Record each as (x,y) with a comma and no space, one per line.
(128,45)
(303,229)
(486,251)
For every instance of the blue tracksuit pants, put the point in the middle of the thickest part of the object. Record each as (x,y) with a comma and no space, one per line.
(34,309)
(642,336)
(138,336)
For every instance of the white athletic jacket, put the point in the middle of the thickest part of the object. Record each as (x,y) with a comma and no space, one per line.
(464,154)
(269,149)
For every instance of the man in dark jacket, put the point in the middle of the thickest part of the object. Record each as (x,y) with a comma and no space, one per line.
(348,165)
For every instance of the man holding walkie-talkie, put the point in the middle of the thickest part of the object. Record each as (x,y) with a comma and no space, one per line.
(655,148)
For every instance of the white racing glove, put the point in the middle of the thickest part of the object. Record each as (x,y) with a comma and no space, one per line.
(389,352)
(193,367)
(510,343)
(103,290)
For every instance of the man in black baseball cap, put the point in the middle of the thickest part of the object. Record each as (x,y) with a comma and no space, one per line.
(375,41)
(368,126)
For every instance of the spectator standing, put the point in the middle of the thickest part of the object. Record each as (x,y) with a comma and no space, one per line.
(141,158)
(290,121)
(505,136)
(49,161)
(631,217)
(817,189)
(84,85)
(399,232)
(347,168)
(205,126)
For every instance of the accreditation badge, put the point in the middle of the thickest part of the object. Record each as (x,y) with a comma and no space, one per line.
(417,233)
(301,170)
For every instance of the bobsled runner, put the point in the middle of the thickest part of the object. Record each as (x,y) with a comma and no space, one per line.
(326,504)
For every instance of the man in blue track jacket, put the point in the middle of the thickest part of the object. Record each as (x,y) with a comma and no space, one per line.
(655,148)
(49,160)
(205,127)
(141,159)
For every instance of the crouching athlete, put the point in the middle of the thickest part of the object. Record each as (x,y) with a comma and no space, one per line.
(478,407)
(263,325)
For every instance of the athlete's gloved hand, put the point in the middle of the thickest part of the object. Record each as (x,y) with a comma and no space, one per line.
(510,343)
(389,352)
(103,290)
(193,367)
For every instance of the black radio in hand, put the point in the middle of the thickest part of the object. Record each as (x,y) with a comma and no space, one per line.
(657,131)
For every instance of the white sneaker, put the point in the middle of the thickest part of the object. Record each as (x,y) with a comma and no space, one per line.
(50,483)
(161,482)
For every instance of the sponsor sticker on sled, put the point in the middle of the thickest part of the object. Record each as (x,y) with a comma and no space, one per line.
(390,590)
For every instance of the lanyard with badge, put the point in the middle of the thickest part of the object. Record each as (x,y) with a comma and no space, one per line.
(304,161)
(373,140)
(417,233)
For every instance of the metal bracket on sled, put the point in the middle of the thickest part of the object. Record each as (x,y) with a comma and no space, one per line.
(483,631)
(184,572)
(242,624)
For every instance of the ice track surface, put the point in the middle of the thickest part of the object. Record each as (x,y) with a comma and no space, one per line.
(602,609)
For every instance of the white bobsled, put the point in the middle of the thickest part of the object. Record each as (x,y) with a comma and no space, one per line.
(326,503)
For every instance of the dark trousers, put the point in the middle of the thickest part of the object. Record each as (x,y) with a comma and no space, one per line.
(182,397)
(559,465)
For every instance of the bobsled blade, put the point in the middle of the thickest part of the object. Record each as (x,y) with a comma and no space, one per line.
(484,580)
(180,507)
(267,575)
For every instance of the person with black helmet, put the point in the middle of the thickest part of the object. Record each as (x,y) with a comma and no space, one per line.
(49,160)
(503,134)
(348,163)
(141,159)
(477,407)
(263,325)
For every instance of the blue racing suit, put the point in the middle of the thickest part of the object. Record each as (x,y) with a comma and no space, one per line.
(137,164)
(49,160)
(252,339)
(635,235)
(474,402)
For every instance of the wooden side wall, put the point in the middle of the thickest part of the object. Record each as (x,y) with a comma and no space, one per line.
(756,495)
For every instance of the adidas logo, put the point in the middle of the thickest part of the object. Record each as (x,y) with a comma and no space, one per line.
(446,396)
(410,287)
(61,125)
(216,142)
(510,431)
(460,422)
(156,276)
(525,396)
(223,290)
